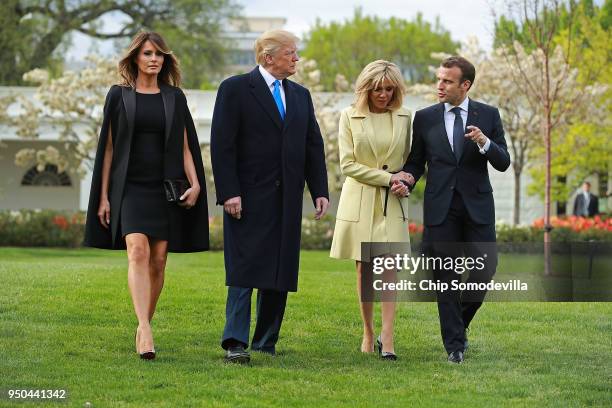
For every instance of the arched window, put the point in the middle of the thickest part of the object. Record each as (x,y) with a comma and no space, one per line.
(48,177)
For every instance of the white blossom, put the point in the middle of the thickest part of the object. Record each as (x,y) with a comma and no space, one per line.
(72,101)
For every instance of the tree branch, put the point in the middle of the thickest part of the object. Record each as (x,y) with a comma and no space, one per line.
(126,31)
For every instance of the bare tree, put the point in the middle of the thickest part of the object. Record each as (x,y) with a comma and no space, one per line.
(496,85)
(549,91)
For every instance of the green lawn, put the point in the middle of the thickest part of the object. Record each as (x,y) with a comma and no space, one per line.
(66,321)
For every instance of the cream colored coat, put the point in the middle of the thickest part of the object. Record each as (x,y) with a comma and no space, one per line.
(367,175)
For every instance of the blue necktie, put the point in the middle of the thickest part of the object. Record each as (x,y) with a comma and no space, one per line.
(278,99)
(458,133)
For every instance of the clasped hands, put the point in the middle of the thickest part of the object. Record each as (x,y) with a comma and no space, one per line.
(398,183)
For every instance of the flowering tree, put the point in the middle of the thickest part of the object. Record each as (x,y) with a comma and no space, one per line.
(582,145)
(72,104)
(549,82)
(327,113)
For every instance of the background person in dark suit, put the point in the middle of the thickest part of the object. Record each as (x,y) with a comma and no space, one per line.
(456,139)
(265,144)
(586,203)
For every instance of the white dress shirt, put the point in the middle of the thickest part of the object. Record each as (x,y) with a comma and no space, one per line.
(449,123)
(269,78)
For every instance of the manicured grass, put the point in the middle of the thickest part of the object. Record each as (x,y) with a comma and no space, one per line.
(66,321)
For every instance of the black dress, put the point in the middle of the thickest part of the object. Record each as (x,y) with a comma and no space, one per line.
(144,208)
(187,229)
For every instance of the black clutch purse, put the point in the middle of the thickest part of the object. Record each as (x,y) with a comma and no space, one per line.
(175,189)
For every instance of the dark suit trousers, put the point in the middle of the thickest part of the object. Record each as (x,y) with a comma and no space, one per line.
(459,236)
(270,311)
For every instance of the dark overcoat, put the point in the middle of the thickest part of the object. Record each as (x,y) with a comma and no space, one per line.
(266,161)
(470,175)
(188,228)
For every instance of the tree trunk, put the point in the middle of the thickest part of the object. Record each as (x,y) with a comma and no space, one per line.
(547,226)
(517,198)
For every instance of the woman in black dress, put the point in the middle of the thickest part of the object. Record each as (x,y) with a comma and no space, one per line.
(147,138)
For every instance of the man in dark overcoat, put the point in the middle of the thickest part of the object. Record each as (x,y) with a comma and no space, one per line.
(265,145)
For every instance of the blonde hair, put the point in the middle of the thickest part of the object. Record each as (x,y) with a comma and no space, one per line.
(374,75)
(270,42)
(170,73)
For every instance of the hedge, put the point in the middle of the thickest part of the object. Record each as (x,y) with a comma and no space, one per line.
(50,228)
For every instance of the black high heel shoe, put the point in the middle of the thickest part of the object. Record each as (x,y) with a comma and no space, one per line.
(147,355)
(385,355)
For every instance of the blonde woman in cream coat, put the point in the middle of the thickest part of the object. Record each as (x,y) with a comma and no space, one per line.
(374,142)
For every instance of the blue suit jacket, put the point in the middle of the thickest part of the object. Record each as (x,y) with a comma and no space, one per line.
(469,176)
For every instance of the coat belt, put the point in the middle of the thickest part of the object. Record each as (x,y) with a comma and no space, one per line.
(400,204)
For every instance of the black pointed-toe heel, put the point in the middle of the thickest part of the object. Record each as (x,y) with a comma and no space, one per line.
(384,355)
(147,355)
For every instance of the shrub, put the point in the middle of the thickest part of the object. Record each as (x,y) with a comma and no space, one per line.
(50,228)
(215,233)
(42,228)
(317,234)
(576,229)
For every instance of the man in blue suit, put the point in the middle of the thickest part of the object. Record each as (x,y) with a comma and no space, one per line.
(457,139)
(265,145)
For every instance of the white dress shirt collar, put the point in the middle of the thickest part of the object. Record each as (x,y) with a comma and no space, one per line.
(269,78)
(463,105)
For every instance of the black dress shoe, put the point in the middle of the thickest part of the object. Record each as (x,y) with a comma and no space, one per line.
(455,357)
(385,355)
(237,354)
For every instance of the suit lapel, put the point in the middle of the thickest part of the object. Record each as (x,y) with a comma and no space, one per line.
(439,132)
(290,104)
(472,120)
(128,95)
(168,99)
(397,121)
(262,94)
(368,128)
